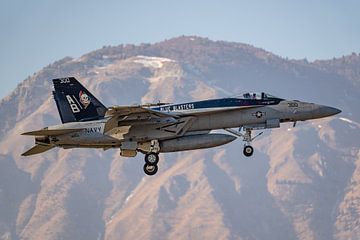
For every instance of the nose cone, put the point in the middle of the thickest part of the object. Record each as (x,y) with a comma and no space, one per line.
(325,111)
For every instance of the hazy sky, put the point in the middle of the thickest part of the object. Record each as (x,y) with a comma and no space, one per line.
(36,33)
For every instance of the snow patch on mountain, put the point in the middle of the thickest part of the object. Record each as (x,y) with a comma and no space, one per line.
(166,80)
(152,62)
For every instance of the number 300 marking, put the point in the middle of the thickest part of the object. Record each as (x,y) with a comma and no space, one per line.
(64,80)
(292,104)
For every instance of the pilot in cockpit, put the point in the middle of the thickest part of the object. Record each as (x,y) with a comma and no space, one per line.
(247,95)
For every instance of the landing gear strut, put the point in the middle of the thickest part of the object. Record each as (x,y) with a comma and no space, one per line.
(248,149)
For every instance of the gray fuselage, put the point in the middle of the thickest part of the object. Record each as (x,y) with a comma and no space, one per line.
(268,116)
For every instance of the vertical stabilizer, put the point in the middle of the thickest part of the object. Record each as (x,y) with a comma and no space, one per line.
(75,103)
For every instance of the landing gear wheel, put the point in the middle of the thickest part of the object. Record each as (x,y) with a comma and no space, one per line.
(248,151)
(150,169)
(152,158)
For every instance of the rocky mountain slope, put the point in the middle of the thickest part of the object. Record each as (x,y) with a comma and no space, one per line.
(302,183)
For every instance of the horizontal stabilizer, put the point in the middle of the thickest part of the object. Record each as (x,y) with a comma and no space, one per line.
(37,149)
(56,132)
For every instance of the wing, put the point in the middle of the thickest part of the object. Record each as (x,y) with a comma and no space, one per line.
(123,118)
(37,149)
(47,132)
(132,115)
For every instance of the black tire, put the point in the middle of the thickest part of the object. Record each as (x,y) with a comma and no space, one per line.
(248,151)
(150,169)
(152,158)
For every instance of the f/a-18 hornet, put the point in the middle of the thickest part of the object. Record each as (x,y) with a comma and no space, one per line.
(156,128)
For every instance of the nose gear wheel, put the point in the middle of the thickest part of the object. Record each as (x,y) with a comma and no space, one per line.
(248,151)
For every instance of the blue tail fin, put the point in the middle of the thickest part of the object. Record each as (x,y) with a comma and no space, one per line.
(75,103)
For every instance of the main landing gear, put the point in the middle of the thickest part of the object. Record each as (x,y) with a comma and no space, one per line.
(152,158)
(248,149)
(151,161)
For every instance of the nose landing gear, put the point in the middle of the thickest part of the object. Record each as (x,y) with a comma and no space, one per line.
(248,149)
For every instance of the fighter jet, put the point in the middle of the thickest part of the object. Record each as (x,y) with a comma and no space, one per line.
(162,127)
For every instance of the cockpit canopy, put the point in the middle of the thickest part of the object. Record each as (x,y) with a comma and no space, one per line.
(257,96)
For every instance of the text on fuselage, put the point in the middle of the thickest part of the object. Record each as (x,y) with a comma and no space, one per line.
(179,107)
(93,130)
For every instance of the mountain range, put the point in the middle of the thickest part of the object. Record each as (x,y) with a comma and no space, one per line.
(301,183)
